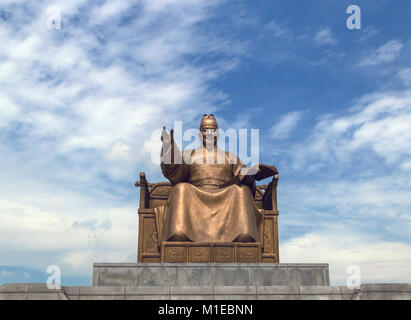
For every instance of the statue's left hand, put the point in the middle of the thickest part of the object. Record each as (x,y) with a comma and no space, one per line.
(247,180)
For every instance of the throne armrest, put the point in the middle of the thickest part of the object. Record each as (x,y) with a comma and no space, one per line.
(270,196)
(265,171)
(144,192)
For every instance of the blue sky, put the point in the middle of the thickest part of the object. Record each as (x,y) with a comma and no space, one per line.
(78,106)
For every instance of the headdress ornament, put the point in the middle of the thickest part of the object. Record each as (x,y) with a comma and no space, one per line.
(208,120)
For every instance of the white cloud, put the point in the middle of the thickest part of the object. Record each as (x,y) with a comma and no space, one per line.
(406,165)
(352,196)
(67,95)
(347,200)
(277,30)
(120,152)
(379,261)
(6,274)
(109,9)
(9,111)
(286,123)
(384,54)
(325,37)
(379,121)
(405,76)
(367,33)
(52,229)
(78,106)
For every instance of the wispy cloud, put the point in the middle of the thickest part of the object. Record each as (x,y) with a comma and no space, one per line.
(286,124)
(79,106)
(379,261)
(384,54)
(325,37)
(379,122)
(344,192)
(277,30)
(405,76)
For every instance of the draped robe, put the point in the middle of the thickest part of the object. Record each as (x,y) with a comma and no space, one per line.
(198,208)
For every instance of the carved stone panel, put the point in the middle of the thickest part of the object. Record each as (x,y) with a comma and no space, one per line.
(199,254)
(150,236)
(250,254)
(223,254)
(175,254)
(268,236)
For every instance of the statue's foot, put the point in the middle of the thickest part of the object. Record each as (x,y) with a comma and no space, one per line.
(244,238)
(180,237)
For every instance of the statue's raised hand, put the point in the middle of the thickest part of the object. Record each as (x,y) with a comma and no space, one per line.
(168,140)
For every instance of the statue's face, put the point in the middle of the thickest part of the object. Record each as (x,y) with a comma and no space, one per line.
(210,135)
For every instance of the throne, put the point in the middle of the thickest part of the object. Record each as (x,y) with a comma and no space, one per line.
(151,249)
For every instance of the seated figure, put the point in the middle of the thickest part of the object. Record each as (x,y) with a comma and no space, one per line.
(200,208)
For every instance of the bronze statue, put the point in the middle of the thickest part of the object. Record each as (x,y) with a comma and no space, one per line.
(211,210)
(199,209)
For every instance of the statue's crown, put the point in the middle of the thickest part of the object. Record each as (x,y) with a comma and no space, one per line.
(208,120)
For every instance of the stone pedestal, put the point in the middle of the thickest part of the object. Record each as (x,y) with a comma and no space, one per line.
(214,281)
(210,274)
(394,291)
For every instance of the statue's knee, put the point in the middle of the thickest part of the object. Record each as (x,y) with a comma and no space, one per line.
(244,238)
(179,236)
(181,186)
(243,190)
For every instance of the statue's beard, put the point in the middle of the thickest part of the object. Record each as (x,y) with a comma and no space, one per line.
(209,142)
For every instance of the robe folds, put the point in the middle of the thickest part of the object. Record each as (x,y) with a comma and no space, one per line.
(198,208)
